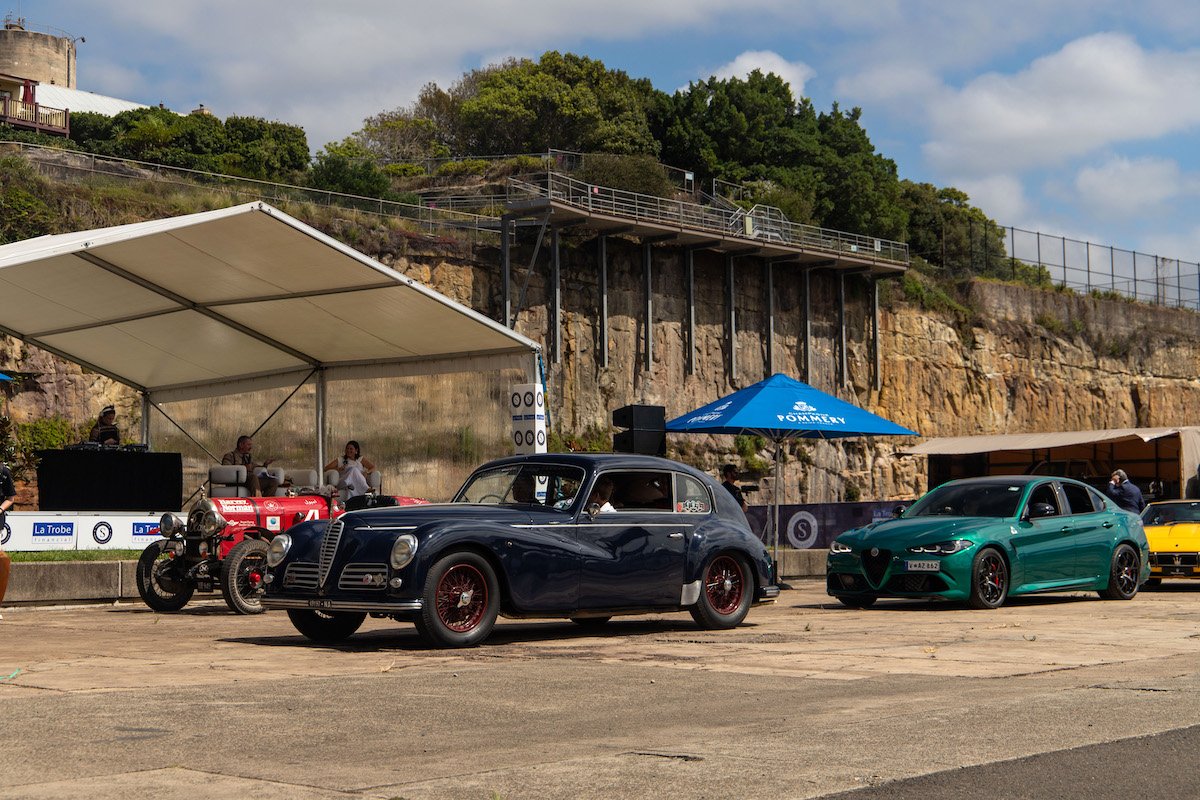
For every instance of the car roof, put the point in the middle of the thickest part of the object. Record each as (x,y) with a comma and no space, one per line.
(596,461)
(1021,480)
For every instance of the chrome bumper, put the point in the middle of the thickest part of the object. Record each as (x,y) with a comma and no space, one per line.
(324,604)
(767,594)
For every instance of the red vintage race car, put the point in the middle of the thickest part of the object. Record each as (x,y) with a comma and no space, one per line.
(224,542)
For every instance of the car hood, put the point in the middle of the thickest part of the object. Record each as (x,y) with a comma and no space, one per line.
(895,534)
(1183,537)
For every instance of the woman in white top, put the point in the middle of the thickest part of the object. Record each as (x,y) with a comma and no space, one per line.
(352,471)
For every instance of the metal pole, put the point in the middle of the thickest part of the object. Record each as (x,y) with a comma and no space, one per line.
(555,298)
(321,430)
(732,320)
(602,255)
(769,280)
(842,360)
(807,326)
(145,419)
(877,379)
(649,343)
(506,269)
(689,269)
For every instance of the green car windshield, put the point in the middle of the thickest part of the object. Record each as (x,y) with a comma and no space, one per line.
(999,499)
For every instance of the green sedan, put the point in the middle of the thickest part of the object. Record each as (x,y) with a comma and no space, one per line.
(982,540)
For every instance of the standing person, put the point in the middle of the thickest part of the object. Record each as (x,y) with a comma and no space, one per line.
(105,431)
(729,473)
(8,495)
(352,471)
(1124,493)
(258,485)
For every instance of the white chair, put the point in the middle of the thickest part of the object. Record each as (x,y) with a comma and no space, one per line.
(227,480)
(374,481)
(302,480)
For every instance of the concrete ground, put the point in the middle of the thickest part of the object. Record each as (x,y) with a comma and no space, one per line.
(806,699)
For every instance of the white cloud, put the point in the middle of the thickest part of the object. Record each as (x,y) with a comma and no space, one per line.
(1095,91)
(794,73)
(1123,187)
(1001,197)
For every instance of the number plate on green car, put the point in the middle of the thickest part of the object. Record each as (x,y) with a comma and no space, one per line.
(922,566)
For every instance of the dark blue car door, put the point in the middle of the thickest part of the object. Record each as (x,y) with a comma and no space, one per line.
(633,557)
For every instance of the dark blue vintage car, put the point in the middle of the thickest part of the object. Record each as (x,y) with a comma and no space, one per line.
(584,537)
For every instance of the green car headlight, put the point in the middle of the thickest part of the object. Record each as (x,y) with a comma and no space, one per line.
(403,550)
(839,547)
(942,548)
(278,549)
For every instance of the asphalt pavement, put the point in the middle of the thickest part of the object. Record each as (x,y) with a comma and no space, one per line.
(1052,696)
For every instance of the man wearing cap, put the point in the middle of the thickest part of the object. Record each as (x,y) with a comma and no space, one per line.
(104,431)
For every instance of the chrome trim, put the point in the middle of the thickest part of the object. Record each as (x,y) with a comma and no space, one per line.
(342,605)
(386,528)
(352,576)
(610,524)
(690,593)
(301,575)
(329,545)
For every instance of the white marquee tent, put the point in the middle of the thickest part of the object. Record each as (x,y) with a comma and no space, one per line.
(237,300)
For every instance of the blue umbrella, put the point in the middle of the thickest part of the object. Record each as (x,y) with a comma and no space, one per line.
(4,377)
(780,408)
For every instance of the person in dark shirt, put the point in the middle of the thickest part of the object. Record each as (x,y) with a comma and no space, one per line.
(1124,493)
(105,430)
(257,484)
(729,473)
(8,495)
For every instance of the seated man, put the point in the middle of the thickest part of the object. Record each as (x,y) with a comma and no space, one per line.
(601,495)
(258,485)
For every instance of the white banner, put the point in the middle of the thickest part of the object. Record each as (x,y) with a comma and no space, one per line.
(527,404)
(91,530)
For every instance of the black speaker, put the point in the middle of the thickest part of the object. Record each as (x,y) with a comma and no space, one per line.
(646,418)
(647,430)
(646,443)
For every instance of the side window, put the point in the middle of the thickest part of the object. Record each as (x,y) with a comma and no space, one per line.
(1078,498)
(1044,494)
(1097,499)
(691,496)
(641,491)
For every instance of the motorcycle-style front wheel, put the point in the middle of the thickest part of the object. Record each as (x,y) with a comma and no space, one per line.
(242,576)
(160,579)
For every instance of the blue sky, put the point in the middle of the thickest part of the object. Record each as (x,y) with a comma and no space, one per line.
(1075,117)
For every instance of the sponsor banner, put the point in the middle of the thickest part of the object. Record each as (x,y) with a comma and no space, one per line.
(816,525)
(527,406)
(111,530)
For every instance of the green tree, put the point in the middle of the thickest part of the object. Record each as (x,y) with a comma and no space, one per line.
(24,212)
(347,167)
(945,229)
(858,190)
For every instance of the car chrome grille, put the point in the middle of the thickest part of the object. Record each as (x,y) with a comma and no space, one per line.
(875,565)
(358,577)
(329,546)
(300,575)
(1168,559)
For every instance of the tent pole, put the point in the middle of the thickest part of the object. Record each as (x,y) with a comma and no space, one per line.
(321,432)
(775,515)
(146,418)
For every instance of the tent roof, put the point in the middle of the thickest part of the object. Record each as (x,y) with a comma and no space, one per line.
(964,445)
(235,300)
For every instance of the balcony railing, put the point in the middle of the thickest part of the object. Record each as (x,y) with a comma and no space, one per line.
(761,223)
(35,117)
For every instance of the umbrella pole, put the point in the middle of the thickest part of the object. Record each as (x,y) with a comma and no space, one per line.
(775,510)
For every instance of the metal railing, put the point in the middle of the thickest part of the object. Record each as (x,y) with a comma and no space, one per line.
(762,223)
(429,219)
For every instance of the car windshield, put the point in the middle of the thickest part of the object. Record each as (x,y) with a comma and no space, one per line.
(550,485)
(1167,513)
(997,499)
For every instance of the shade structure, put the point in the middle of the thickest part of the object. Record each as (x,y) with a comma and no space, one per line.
(781,408)
(4,377)
(236,300)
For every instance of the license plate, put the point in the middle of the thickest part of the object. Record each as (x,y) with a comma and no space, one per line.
(204,585)
(1177,570)
(922,566)
(320,604)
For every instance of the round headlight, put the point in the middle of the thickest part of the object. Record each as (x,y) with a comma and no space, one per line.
(278,549)
(403,550)
(212,523)
(169,524)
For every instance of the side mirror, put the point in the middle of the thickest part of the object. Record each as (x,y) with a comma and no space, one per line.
(899,510)
(1038,510)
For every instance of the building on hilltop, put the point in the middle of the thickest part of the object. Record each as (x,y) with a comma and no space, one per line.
(37,81)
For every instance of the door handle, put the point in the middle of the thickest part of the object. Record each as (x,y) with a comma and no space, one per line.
(675,536)
(1066,528)
(1107,524)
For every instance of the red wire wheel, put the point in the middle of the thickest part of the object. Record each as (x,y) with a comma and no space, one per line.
(462,598)
(725,585)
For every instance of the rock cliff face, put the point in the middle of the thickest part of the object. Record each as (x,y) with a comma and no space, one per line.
(1027,360)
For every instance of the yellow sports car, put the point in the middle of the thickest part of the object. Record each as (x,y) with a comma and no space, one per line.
(1173,529)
